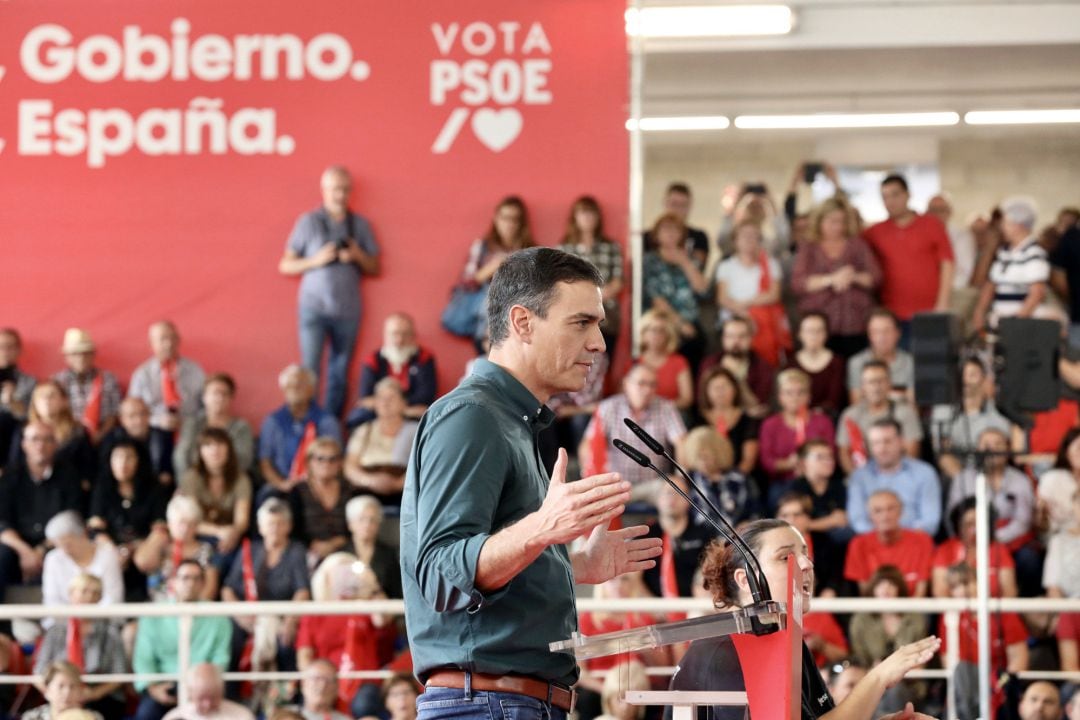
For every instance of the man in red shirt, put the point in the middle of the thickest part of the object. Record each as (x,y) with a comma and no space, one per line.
(889,544)
(915,254)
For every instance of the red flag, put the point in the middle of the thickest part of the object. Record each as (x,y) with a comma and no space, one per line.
(74,644)
(598,461)
(92,412)
(298,468)
(858,445)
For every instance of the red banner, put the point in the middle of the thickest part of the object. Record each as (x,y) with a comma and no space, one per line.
(156,155)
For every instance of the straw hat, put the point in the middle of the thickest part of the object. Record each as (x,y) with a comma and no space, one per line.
(76,340)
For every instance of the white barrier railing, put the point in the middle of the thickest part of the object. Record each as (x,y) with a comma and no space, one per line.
(949,608)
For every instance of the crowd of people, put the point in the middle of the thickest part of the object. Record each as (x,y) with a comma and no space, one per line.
(775,364)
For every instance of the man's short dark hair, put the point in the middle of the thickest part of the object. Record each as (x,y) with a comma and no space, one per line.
(895,178)
(530,278)
(887,422)
(679,187)
(875,364)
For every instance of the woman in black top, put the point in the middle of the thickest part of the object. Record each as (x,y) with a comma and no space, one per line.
(712,664)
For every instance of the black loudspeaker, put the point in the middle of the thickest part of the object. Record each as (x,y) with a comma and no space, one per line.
(1027,358)
(935,346)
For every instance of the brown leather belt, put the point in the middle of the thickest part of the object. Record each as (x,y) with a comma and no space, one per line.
(559,696)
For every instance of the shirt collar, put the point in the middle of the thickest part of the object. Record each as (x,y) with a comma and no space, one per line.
(532,411)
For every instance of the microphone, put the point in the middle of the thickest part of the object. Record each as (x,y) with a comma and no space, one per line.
(754,575)
(759,585)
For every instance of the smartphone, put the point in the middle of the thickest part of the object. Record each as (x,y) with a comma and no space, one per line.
(811,170)
(754,189)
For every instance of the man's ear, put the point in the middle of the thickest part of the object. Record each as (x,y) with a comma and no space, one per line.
(521,324)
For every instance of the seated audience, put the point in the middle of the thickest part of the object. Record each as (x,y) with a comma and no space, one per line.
(275,568)
(960,548)
(1013,500)
(364,515)
(828,524)
(956,429)
(914,482)
(217,398)
(15,385)
(876,636)
(888,542)
(708,457)
(378,451)
(836,274)
(783,433)
(828,392)
(673,283)
(31,493)
(319,690)
(684,540)
(1061,578)
(883,332)
(157,644)
(1058,486)
(124,505)
(171,387)
(287,431)
(343,642)
(721,402)
(93,646)
(49,406)
(218,483)
(1008,645)
(853,427)
(94,394)
(658,343)
(748,285)
(74,554)
(747,366)
(401,358)
(64,691)
(319,502)
(134,426)
(205,690)
(1018,277)
(169,543)
(660,418)
(585,238)
(1041,701)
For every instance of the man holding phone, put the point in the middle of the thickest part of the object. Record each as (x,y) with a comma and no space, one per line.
(157,644)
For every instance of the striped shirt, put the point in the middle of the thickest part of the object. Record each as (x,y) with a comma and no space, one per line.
(1013,273)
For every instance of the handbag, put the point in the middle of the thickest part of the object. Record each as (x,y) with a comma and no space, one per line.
(462,314)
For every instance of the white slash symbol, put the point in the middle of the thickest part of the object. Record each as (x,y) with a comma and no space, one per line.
(450,130)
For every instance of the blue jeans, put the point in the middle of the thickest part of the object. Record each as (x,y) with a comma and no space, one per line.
(449,704)
(315,330)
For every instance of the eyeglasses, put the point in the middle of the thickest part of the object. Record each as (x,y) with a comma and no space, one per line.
(326,458)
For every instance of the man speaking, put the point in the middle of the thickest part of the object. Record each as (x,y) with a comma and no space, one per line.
(488,579)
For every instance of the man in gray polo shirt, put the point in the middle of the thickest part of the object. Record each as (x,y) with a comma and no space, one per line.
(488,579)
(332,247)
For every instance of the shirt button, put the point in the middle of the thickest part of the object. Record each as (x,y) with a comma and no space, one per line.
(525,418)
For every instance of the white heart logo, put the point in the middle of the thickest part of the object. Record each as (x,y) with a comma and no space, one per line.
(497,128)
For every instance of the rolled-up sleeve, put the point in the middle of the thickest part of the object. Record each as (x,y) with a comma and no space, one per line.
(460,479)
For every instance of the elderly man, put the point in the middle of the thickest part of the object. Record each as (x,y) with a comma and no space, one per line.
(319,688)
(170,386)
(401,358)
(735,354)
(874,404)
(915,254)
(1016,286)
(1041,701)
(287,432)
(659,417)
(485,531)
(94,394)
(31,493)
(332,247)
(889,543)
(205,690)
(157,643)
(916,483)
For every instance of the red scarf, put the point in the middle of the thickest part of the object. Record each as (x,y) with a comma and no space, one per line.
(92,412)
(359,653)
(74,645)
(801,421)
(251,594)
(298,467)
(598,461)
(772,335)
(170,393)
(858,445)
(669,582)
(721,426)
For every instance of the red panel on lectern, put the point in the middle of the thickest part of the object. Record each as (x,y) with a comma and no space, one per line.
(156,155)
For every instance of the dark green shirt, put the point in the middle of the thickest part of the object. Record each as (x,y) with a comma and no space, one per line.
(475,468)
